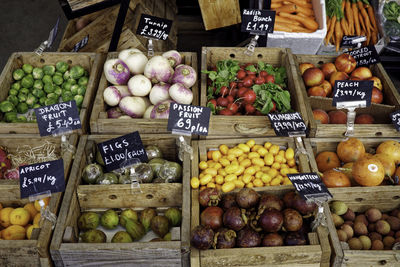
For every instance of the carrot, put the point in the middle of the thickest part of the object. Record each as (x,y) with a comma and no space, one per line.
(365,15)
(286,8)
(275,5)
(330,29)
(307,22)
(306,11)
(343,23)
(281,26)
(364,26)
(276,1)
(338,35)
(307,5)
(356,20)
(371,15)
(285,20)
(299,2)
(349,16)
(374,37)
(310,17)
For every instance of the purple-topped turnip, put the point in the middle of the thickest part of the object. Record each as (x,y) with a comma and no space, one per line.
(123,90)
(139,85)
(112,96)
(136,62)
(124,54)
(185,75)
(173,57)
(116,71)
(133,106)
(179,93)
(158,69)
(159,93)
(161,110)
(114,113)
(147,113)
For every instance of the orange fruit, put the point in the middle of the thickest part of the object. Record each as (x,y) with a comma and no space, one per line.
(368,172)
(5,216)
(46,202)
(30,207)
(36,220)
(30,229)
(334,178)
(350,150)
(20,216)
(14,232)
(327,160)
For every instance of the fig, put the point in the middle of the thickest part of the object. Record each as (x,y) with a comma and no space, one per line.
(93,236)
(366,242)
(224,238)
(146,216)
(108,178)
(373,214)
(121,237)
(385,216)
(135,229)
(91,172)
(209,197)
(99,158)
(295,239)
(248,238)
(382,227)
(394,223)
(371,227)
(202,237)
(153,152)
(212,216)
(171,172)
(288,199)
(337,220)
(88,220)
(271,220)
(233,219)
(160,225)
(349,215)
(272,240)
(127,213)
(355,243)
(124,179)
(167,237)
(145,172)
(247,198)
(302,206)
(228,201)
(174,216)
(109,219)
(360,228)
(156,164)
(351,223)
(269,201)
(338,207)
(292,220)
(394,212)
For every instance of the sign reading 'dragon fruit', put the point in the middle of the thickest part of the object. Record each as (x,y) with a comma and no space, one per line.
(117,151)
(58,118)
(287,124)
(257,21)
(188,119)
(395,116)
(42,177)
(309,185)
(154,27)
(352,91)
(365,56)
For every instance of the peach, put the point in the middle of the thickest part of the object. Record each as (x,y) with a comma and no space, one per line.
(304,66)
(327,87)
(336,76)
(345,63)
(377,96)
(377,82)
(321,116)
(316,91)
(313,77)
(364,119)
(337,117)
(362,73)
(328,69)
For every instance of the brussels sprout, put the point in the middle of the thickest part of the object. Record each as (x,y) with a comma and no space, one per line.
(66,96)
(22,97)
(16,85)
(81,90)
(47,79)
(42,100)
(67,86)
(37,105)
(31,100)
(21,119)
(13,92)
(49,70)
(58,90)
(38,84)
(74,89)
(13,99)
(6,106)
(59,74)
(38,93)
(10,116)
(58,79)
(27,68)
(72,81)
(62,66)
(77,72)
(22,108)
(50,101)
(37,73)
(67,75)
(24,91)
(52,95)
(49,88)
(83,81)
(27,82)
(18,74)
(79,100)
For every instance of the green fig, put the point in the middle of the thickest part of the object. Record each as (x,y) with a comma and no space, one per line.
(174,216)
(167,237)
(121,237)
(146,216)
(128,213)
(94,236)
(88,220)
(160,225)
(109,219)
(135,229)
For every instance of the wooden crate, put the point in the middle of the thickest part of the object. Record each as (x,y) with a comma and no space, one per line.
(91,62)
(315,254)
(101,27)
(218,14)
(379,111)
(78,198)
(33,252)
(99,123)
(360,199)
(250,126)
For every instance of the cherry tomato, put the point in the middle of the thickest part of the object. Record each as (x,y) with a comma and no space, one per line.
(241,74)
(223,102)
(249,97)
(270,78)
(250,72)
(248,82)
(252,76)
(240,84)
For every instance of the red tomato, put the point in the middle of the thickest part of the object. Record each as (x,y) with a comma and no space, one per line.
(270,78)
(241,91)
(249,97)
(223,102)
(241,74)
(259,80)
(225,112)
(248,82)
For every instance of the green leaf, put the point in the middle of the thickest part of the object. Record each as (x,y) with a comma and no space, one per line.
(267,107)
(212,107)
(251,68)
(261,65)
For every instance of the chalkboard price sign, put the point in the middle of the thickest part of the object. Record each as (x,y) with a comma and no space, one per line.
(257,21)
(351,41)
(309,185)
(288,124)
(365,56)
(42,177)
(81,44)
(118,151)
(154,27)
(188,119)
(352,91)
(395,116)
(58,118)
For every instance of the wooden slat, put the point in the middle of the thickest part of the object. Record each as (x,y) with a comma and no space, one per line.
(99,123)
(249,126)
(218,14)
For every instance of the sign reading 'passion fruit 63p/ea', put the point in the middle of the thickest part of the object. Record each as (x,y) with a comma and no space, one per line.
(188,119)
